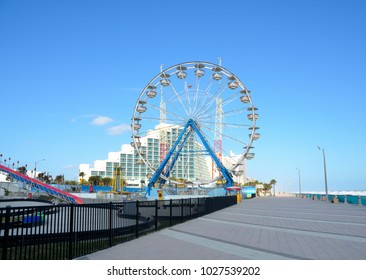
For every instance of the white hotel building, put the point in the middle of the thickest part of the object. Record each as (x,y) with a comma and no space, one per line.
(134,170)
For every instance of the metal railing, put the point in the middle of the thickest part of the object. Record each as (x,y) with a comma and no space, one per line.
(60,232)
(337,198)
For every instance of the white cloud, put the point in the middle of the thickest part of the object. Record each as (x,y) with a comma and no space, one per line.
(101,120)
(119,129)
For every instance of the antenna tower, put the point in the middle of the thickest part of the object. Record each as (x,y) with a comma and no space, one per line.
(218,132)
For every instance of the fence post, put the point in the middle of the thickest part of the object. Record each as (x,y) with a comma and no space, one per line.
(6,233)
(171,213)
(181,210)
(207,205)
(110,224)
(190,208)
(71,230)
(137,219)
(156,214)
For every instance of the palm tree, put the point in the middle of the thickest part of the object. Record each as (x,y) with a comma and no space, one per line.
(252,183)
(40,176)
(266,187)
(47,179)
(22,170)
(59,179)
(273,184)
(82,175)
(107,181)
(95,180)
(71,182)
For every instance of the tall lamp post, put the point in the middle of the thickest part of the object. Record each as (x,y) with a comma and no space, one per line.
(35,167)
(298,170)
(325,174)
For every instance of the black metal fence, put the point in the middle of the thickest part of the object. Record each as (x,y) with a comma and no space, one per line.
(60,232)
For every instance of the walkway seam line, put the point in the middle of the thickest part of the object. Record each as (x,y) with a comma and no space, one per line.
(298,231)
(293,219)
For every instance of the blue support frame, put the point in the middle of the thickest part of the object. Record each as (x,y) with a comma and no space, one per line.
(160,169)
(184,135)
(167,173)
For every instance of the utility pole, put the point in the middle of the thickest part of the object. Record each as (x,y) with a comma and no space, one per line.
(325,174)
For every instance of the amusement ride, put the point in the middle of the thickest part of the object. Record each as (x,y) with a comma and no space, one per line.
(194,102)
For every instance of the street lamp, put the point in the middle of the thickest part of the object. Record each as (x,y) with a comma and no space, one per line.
(35,167)
(325,174)
(299,181)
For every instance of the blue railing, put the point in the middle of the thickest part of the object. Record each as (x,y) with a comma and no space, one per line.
(336,198)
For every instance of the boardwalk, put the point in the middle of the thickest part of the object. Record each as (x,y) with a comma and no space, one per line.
(277,228)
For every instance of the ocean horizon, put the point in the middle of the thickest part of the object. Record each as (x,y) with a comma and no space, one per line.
(348,192)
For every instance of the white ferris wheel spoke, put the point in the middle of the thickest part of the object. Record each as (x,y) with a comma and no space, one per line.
(178,97)
(211,105)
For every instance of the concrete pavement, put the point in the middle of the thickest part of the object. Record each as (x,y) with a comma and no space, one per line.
(274,228)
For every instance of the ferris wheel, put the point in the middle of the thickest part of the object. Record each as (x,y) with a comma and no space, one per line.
(190,112)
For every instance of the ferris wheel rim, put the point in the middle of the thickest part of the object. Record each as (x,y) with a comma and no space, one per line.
(190,65)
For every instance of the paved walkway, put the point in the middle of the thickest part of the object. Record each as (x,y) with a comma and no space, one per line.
(275,228)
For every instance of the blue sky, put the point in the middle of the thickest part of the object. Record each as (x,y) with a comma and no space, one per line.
(71,71)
